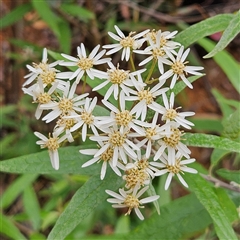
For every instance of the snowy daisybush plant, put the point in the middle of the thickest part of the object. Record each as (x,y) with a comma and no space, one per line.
(128,141)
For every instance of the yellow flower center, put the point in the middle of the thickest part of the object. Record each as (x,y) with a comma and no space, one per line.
(145,95)
(52,144)
(137,175)
(118,76)
(178,67)
(174,168)
(65,105)
(123,118)
(152,35)
(158,52)
(66,122)
(131,202)
(163,41)
(85,63)
(44,98)
(127,41)
(87,117)
(170,114)
(43,66)
(174,138)
(150,132)
(107,155)
(48,76)
(117,139)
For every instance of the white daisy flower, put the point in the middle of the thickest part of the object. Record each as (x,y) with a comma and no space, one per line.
(145,97)
(157,50)
(171,114)
(179,68)
(67,105)
(86,119)
(127,44)
(85,64)
(121,117)
(119,79)
(106,158)
(172,142)
(52,143)
(176,167)
(39,95)
(152,133)
(64,126)
(45,72)
(163,39)
(130,199)
(140,172)
(118,140)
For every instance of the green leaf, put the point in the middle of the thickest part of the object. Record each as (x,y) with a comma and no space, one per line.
(217,155)
(151,192)
(225,104)
(210,201)
(16,188)
(77,11)
(70,162)
(227,63)
(203,29)
(228,35)
(123,225)
(31,207)
(85,200)
(45,12)
(232,126)
(229,175)
(65,36)
(8,228)
(15,15)
(206,124)
(182,217)
(227,204)
(210,141)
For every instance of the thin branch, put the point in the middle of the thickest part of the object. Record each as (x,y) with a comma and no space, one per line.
(219,183)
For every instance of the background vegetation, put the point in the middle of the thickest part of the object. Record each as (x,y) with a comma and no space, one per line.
(34,197)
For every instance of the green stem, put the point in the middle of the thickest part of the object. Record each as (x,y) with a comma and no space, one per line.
(84,83)
(132,62)
(151,71)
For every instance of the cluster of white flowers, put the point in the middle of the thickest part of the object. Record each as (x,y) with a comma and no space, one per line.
(136,147)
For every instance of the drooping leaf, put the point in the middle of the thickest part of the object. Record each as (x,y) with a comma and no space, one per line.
(77,11)
(210,141)
(227,63)
(210,201)
(8,228)
(70,162)
(228,35)
(229,175)
(32,207)
(16,188)
(15,15)
(85,200)
(204,28)
(217,155)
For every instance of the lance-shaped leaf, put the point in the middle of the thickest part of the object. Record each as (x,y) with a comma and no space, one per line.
(228,35)
(85,200)
(71,161)
(210,201)
(204,28)
(210,141)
